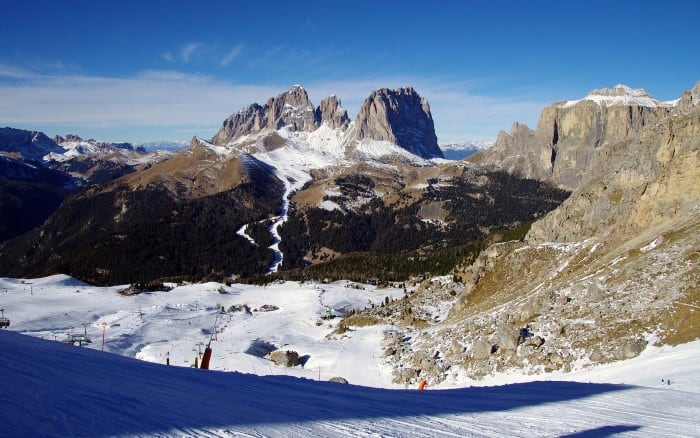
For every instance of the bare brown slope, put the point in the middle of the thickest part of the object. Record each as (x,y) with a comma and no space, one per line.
(196,172)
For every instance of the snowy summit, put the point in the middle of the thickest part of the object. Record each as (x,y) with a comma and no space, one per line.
(621,95)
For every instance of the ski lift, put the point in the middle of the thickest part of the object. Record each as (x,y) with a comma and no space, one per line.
(4,322)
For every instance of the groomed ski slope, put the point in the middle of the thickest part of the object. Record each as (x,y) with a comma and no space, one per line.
(49,388)
(53,389)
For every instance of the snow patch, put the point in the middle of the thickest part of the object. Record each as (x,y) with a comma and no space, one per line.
(653,244)
(621,95)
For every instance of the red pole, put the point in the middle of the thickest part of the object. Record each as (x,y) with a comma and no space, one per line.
(205,359)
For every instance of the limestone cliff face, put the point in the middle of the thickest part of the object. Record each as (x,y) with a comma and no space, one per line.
(568,134)
(331,112)
(689,99)
(637,183)
(574,132)
(291,109)
(519,152)
(401,117)
(246,121)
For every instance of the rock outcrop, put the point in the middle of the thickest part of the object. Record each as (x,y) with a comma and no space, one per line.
(291,109)
(518,152)
(638,183)
(331,112)
(568,134)
(401,117)
(689,99)
(284,358)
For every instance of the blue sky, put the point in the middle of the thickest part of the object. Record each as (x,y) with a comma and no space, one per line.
(154,70)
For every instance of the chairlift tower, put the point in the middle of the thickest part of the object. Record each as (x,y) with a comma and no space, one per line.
(4,322)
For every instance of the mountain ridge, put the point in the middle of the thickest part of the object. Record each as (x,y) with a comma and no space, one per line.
(561,149)
(401,117)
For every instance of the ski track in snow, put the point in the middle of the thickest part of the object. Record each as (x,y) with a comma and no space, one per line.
(289,188)
(243,233)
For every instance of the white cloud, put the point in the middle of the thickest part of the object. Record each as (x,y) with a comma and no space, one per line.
(232,54)
(171,101)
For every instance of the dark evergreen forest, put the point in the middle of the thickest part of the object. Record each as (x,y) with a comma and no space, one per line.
(392,243)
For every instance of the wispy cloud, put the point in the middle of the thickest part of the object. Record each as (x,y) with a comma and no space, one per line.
(188,50)
(169,102)
(267,55)
(165,101)
(232,54)
(11,72)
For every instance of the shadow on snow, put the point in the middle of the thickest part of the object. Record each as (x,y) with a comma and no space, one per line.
(57,389)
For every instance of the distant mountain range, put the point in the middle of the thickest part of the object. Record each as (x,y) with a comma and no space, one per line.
(171,146)
(462,150)
(282,187)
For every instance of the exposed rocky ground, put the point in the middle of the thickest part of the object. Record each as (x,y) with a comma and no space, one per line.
(612,269)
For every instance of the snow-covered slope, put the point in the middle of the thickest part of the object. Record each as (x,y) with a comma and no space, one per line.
(53,389)
(621,95)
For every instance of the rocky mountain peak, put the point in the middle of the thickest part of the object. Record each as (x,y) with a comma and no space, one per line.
(296,96)
(291,109)
(33,145)
(562,148)
(620,90)
(399,116)
(68,138)
(331,112)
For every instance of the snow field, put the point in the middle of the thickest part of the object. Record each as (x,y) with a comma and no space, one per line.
(179,324)
(61,390)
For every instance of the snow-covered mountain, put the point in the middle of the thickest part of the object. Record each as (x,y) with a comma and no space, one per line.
(51,388)
(74,147)
(621,95)
(38,173)
(172,146)
(462,150)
